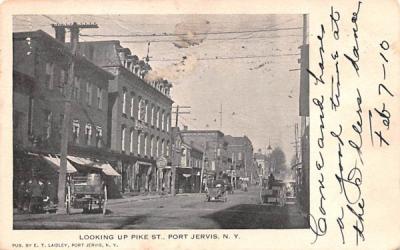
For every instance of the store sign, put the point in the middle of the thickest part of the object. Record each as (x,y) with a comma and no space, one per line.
(161,162)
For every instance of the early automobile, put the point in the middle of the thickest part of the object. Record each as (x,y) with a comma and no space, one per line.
(216,190)
(86,192)
(273,192)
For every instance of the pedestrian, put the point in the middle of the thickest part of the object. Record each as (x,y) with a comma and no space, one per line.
(36,194)
(22,196)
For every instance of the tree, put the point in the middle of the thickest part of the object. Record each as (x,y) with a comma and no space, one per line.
(278,160)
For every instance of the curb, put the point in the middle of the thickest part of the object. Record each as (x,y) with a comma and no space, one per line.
(143,198)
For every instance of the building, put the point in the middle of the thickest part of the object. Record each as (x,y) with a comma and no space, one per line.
(215,147)
(40,78)
(240,150)
(40,75)
(139,113)
(188,161)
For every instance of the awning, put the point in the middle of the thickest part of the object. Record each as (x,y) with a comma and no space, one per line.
(144,163)
(107,169)
(56,162)
(80,160)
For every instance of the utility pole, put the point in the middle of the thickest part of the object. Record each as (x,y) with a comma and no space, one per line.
(202,166)
(74,30)
(177,112)
(220,117)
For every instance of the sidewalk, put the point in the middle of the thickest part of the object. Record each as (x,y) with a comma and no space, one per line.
(142,197)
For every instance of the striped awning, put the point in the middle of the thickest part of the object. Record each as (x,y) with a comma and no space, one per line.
(56,162)
(107,169)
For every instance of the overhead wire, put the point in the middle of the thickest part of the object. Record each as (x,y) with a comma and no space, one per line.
(194,34)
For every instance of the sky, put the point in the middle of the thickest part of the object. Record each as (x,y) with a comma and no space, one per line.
(248,64)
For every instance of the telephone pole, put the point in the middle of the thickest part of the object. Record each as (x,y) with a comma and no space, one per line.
(220,117)
(74,30)
(178,112)
(203,160)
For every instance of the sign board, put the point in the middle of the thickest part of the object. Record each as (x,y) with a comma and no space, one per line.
(161,162)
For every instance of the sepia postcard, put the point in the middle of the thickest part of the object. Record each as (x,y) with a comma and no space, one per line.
(200,124)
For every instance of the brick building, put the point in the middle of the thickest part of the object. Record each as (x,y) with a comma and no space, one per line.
(217,159)
(240,150)
(187,158)
(139,114)
(40,76)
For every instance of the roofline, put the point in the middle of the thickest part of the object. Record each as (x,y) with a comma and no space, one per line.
(42,34)
(131,74)
(202,131)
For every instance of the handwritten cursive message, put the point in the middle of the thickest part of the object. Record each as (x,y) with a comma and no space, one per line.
(337,74)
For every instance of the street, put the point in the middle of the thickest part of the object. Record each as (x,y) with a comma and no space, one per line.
(184,211)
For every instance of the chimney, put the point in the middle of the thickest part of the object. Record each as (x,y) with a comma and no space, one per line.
(74,33)
(60,33)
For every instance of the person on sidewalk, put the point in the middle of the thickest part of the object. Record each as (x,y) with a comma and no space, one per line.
(22,197)
(35,187)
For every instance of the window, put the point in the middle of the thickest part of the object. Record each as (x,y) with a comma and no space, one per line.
(77,89)
(47,124)
(131,141)
(132,103)
(141,109)
(99,98)
(168,148)
(63,81)
(168,122)
(218,152)
(163,121)
(49,75)
(123,138)
(152,115)
(99,136)
(89,93)
(30,115)
(162,147)
(145,144)
(158,118)
(124,101)
(75,130)
(152,146)
(60,125)
(240,156)
(157,148)
(146,113)
(88,133)
(138,143)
